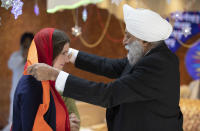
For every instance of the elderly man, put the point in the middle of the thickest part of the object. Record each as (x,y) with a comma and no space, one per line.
(145,94)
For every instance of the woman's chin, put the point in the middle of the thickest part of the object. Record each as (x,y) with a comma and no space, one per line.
(60,67)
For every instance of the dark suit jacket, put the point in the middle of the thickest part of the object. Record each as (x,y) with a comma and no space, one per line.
(144,97)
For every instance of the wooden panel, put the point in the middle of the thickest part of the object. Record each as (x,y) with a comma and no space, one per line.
(90,114)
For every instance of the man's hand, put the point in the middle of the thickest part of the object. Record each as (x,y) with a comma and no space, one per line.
(74,122)
(43,72)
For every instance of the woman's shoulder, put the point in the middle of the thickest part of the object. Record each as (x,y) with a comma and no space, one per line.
(28,83)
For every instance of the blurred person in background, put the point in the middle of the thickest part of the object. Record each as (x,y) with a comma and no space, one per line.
(16,63)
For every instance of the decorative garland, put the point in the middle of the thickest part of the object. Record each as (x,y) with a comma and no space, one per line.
(101,37)
(107,35)
(86,23)
(185,45)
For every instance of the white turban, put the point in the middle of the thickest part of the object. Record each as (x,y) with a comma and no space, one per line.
(146,25)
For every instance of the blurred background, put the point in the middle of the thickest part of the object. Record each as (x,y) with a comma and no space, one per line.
(97,27)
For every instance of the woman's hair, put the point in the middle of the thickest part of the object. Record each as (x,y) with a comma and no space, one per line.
(59,40)
(26,40)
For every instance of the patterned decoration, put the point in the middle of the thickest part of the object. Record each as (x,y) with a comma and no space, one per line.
(36,9)
(84,14)
(6,4)
(177,15)
(186,30)
(17,8)
(76,30)
(192,61)
(185,26)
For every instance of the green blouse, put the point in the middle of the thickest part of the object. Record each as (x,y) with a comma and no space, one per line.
(71,106)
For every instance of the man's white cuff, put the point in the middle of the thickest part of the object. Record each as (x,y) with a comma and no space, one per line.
(74,53)
(61,80)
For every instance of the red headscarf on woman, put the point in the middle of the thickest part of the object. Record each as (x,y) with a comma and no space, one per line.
(41,51)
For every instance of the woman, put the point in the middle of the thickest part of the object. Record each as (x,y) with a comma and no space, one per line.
(37,105)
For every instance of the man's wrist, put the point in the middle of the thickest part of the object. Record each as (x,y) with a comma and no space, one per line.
(55,74)
(61,80)
(74,54)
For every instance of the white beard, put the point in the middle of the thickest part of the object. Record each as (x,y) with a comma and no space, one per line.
(136,51)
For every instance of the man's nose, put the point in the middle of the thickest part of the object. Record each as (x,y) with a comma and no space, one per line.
(124,41)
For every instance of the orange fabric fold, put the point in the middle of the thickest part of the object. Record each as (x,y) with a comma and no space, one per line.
(60,119)
(39,124)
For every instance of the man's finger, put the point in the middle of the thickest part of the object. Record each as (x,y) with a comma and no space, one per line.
(35,75)
(75,121)
(70,55)
(30,69)
(74,126)
(74,118)
(72,115)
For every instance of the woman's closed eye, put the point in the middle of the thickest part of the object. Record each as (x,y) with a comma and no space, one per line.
(65,53)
